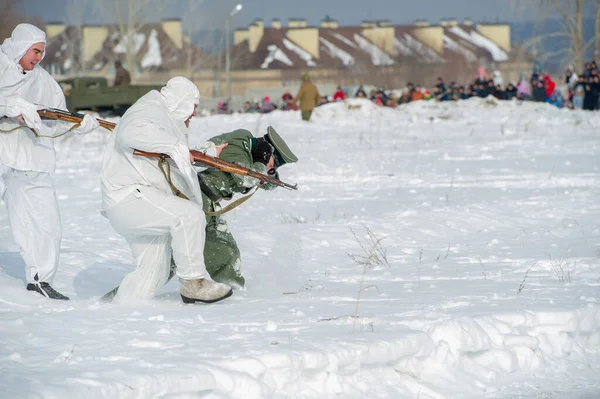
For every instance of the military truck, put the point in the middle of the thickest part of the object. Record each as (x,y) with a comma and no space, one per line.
(94,93)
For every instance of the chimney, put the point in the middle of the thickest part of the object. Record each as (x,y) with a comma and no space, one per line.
(297,23)
(54,29)
(385,23)
(452,22)
(467,22)
(421,23)
(276,24)
(443,23)
(172,28)
(329,23)
(367,24)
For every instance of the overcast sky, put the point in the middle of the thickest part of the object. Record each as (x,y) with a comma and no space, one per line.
(212,13)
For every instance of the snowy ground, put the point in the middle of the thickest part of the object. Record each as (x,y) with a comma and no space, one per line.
(487,219)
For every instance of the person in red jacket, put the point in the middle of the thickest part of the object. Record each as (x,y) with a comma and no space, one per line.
(339,94)
(550,85)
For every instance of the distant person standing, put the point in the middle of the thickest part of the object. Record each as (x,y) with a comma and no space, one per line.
(122,76)
(308,96)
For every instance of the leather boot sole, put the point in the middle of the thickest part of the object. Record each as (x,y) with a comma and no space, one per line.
(185,299)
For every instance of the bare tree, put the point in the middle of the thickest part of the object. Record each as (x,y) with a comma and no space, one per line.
(569,15)
(205,24)
(9,17)
(74,13)
(130,18)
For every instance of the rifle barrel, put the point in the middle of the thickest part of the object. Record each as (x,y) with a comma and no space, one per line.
(225,166)
(73,117)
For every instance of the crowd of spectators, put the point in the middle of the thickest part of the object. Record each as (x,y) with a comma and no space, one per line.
(575,91)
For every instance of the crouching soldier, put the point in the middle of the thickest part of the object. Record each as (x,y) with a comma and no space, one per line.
(261,154)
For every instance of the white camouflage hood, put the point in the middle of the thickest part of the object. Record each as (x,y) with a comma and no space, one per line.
(180,95)
(22,38)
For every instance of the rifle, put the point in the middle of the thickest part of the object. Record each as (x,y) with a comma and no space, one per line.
(73,117)
(225,166)
(59,114)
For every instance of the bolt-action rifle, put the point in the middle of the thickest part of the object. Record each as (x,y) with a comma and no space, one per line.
(229,167)
(199,157)
(73,117)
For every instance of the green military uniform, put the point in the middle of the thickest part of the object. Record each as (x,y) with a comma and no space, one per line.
(221,253)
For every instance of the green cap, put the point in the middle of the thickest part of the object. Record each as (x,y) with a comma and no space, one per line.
(282,153)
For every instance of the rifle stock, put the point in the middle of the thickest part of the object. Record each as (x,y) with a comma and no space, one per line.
(73,117)
(225,166)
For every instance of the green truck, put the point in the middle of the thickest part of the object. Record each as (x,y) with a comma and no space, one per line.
(91,93)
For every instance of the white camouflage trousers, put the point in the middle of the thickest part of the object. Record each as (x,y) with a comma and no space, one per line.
(34,220)
(157,225)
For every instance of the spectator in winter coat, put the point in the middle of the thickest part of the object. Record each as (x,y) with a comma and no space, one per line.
(308,96)
(223,107)
(490,89)
(554,99)
(537,72)
(539,92)
(481,90)
(589,103)
(549,84)
(287,96)
(417,95)
(338,95)
(360,93)
(481,77)
(122,76)
(288,101)
(497,78)
(578,97)
(570,77)
(248,108)
(410,88)
(498,92)
(381,94)
(291,106)
(438,96)
(266,105)
(523,90)
(441,86)
(510,92)
(404,98)
(28,157)
(469,92)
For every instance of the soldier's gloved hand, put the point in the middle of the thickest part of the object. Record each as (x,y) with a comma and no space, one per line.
(18,107)
(87,125)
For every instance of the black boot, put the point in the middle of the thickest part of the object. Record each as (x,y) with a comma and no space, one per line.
(46,290)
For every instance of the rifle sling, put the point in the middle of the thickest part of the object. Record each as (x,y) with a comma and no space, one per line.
(166,171)
(36,134)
